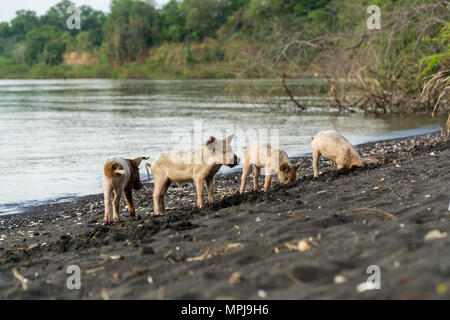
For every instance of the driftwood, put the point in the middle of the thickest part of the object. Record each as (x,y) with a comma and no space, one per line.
(385,215)
(289,93)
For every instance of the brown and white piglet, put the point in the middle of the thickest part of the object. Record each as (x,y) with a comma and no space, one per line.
(120,176)
(333,146)
(264,155)
(198,164)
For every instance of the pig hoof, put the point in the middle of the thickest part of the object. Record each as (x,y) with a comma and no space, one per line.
(132,214)
(117,220)
(138,217)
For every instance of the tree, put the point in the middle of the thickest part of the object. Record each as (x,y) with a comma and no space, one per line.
(171,22)
(24,22)
(203,17)
(5,30)
(129,31)
(93,22)
(44,45)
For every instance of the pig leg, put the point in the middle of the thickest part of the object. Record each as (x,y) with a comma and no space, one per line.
(116,205)
(256,171)
(129,200)
(108,200)
(163,193)
(209,189)
(245,171)
(157,191)
(316,156)
(267,181)
(199,187)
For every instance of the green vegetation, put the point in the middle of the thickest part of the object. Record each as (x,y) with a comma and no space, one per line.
(224,38)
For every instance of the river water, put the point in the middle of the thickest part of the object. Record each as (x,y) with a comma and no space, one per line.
(55,135)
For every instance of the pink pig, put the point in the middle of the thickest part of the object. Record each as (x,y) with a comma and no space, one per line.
(333,146)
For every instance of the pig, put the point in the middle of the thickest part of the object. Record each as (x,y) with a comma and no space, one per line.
(120,176)
(198,164)
(263,155)
(333,146)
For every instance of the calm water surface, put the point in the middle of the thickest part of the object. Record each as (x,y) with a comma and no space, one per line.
(56,135)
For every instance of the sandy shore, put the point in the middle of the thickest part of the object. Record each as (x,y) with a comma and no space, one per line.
(311,239)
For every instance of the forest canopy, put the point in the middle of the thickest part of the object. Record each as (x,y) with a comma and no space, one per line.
(226,38)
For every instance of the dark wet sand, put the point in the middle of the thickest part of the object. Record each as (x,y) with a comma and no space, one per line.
(252,239)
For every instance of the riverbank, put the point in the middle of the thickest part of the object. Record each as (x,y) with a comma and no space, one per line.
(312,239)
(135,70)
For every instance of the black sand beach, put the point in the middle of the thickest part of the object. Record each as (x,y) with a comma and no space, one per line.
(311,239)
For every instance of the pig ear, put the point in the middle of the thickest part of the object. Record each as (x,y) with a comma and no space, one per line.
(357,163)
(229,138)
(138,160)
(284,167)
(211,142)
(297,165)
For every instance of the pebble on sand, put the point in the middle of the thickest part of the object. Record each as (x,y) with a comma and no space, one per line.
(262,294)
(340,279)
(235,278)
(435,234)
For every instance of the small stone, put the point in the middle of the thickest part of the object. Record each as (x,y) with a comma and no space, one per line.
(340,279)
(303,245)
(235,278)
(262,294)
(435,234)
